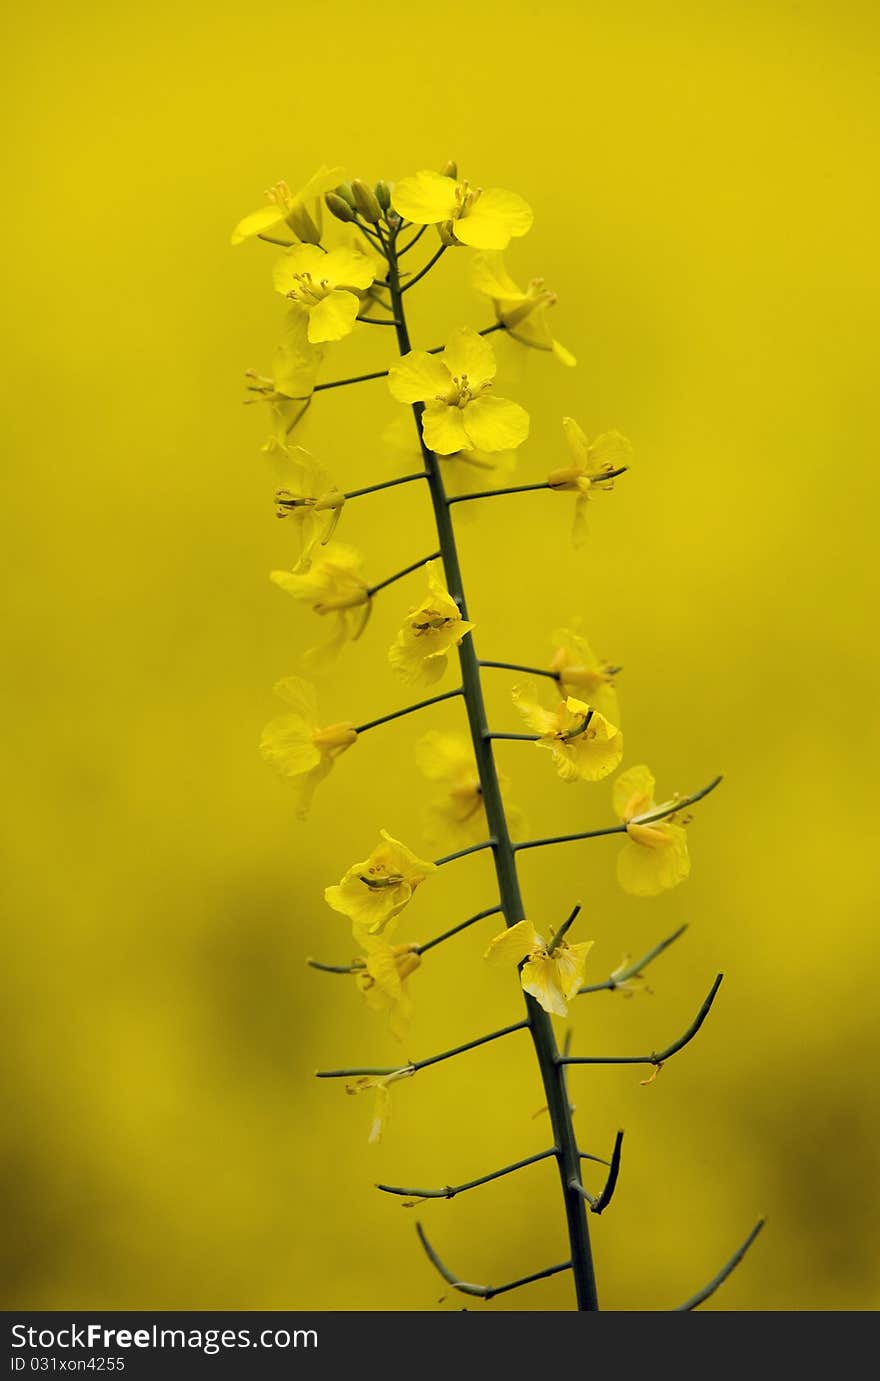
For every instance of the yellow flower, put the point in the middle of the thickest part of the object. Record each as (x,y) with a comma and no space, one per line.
(458,414)
(333,584)
(582,673)
(382,1106)
(458,816)
(297,746)
(551,977)
(523,314)
(324,287)
(374,892)
(466,215)
(299,212)
(655,855)
(292,382)
(591,462)
(383,983)
(430,631)
(309,499)
(583,744)
(464,472)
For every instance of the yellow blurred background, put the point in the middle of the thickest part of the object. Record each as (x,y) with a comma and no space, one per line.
(706,212)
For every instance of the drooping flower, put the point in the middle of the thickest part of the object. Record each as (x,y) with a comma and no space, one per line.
(581,673)
(592,461)
(655,856)
(552,977)
(383,982)
(584,745)
(374,892)
(297,746)
(380,1085)
(323,288)
(299,212)
(466,215)
(429,632)
(522,313)
(289,389)
(457,816)
(332,584)
(459,413)
(309,499)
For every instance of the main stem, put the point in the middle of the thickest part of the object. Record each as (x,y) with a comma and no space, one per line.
(540,1026)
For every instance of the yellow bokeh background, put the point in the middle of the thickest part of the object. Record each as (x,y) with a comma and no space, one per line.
(706,211)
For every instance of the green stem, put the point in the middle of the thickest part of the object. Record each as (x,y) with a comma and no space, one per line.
(540,1026)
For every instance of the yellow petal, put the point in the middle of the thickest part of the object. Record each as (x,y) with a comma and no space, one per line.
(495,424)
(347,267)
(611,449)
(333,317)
(425,199)
(644,871)
(633,792)
(513,944)
(571,961)
(489,276)
(267,219)
(443,428)
(296,361)
(469,353)
(563,355)
(540,978)
(577,441)
(287,744)
(299,259)
(494,219)
(538,719)
(418,377)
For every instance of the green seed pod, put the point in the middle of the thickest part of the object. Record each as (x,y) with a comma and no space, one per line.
(338,207)
(366,202)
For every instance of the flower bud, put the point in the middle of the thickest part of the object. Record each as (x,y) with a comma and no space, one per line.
(383,194)
(344,191)
(338,207)
(366,202)
(303,226)
(451,169)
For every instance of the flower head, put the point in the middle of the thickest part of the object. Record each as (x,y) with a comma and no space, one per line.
(522,313)
(459,413)
(332,584)
(466,215)
(383,982)
(299,212)
(430,631)
(592,464)
(323,288)
(457,816)
(373,893)
(551,976)
(297,746)
(309,499)
(655,856)
(289,389)
(380,1085)
(581,673)
(584,745)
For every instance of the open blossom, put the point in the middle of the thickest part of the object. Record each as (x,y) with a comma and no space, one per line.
(655,856)
(581,673)
(584,745)
(332,584)
(374,892)
(466,215)
(299,211)
(589,471)
(292,382)
(380,1085)
(383,981)
(323,288)
(297,746)
(421,648)
(522,313)
(457,815)
(460,414)
(309,500)
(552,977)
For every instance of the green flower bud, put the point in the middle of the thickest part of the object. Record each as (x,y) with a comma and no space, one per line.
(344,191)
(365,201)
(383,195)
(338,207)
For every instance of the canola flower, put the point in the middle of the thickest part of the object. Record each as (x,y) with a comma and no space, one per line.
(373,893)
(384,983)
(380,1086)
(309,499)
(323,288)
(592,469)
(522,312)
(297,746)
(584,745)
(460,413)
(291,384)
(584,675)
(655,856)
(332,585)
(551,974)
(421,649)
(464,214)
(298,212)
